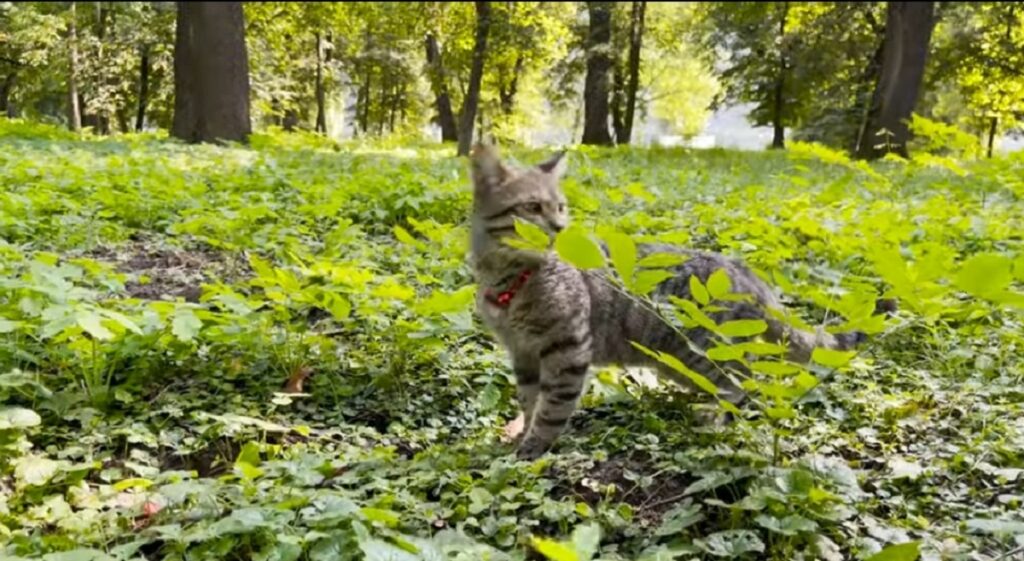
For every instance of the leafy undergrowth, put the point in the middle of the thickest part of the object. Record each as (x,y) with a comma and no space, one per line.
(155,298)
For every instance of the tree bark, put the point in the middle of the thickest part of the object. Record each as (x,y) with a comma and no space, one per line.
(993,126)
(74,112)
(778,128)
(636,35)
(908,30)
(102,115)
(476,73)
(507,94)
(617,101)
(867,96)
(6,105)
(140,115)
(211,73)
(321,113)
(599,63)
(442,98)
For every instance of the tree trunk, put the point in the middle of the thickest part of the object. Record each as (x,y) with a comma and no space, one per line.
(364,119)
(993,126)
(778,128)
(102,116)
(6,105)
(867,94)
(599,63)
(74,113)
(476,73)
(439,83)
(321,114)
(617,101)
(211,73)
(636,35)
(140,115)
(908,30)
(507,94)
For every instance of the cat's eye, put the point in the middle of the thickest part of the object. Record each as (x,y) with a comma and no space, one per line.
(533,207)
(561,207)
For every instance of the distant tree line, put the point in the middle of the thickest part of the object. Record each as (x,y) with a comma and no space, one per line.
(847,74)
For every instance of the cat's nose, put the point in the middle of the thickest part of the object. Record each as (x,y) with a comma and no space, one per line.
(556,226)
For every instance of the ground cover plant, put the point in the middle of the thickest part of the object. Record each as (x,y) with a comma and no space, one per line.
(270,352)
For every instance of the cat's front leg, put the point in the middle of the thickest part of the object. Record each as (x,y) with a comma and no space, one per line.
(527,387)
(563,371)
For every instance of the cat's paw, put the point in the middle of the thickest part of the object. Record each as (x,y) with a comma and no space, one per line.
(514,429)
(531,448)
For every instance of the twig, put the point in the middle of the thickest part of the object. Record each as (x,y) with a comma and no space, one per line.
(1010,553)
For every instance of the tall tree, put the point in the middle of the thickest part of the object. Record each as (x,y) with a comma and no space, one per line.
(624,98)
(908,30)
(476,73)
(74,111)
(211,73)
(439,83)
(779,91)
(599,66)
(140,115)
(975,78)
(321,110)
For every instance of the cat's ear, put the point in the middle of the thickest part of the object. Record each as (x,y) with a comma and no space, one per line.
(488,170)
(555,165)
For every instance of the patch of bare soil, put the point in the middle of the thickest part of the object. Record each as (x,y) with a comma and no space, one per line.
(650,500)
(161,272)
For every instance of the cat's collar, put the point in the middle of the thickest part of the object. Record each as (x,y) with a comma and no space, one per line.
(504,298)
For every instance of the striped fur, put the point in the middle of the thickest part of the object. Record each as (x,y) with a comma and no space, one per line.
(563,320)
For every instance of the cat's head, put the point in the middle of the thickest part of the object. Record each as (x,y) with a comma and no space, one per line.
(502,193)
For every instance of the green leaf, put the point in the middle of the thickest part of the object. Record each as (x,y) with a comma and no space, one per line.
(379,550)
(575,247)
(78,555)
(719,284)
(338,306)
(8,326)
(586,539)
(250,453)
(774,368)
(784,411)
(443,302)
(92,323)
(18,418)
(832,358)
(992,526)
(697,290)
(679,518)
(984,274)
(622,249)
(531,237)
(661,260)
(34,470)
(725,352)
(553,550)
(133,483)
(743,327)
(386,517)
(901,552)
(646,281)
(405,237)
(672,362)
(731,543)
(788,526)
(185,325)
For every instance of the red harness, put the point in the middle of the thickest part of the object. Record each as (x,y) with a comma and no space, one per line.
(504,298)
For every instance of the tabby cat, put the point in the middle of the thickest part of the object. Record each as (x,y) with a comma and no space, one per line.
(556,320)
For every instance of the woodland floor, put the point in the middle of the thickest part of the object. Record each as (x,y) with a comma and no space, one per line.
(156,299)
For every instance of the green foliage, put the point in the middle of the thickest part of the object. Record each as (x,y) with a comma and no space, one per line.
(155,297)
